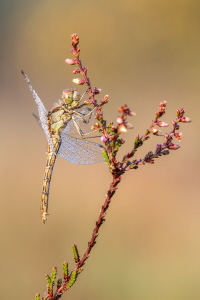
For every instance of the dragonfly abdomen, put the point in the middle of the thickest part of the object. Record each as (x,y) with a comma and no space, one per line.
(51,158)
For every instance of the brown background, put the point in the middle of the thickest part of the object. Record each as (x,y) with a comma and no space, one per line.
(140,53)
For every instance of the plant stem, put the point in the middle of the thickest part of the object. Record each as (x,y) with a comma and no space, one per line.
(101,219)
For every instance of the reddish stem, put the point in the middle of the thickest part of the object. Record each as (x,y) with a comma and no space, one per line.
(95,233)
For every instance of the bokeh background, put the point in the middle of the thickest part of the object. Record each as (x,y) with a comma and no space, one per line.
(140,53)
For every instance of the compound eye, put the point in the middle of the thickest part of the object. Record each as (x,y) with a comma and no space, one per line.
(76,96)
(69,96)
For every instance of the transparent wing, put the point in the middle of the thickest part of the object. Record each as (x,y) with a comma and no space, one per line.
(43,120)
(79,151)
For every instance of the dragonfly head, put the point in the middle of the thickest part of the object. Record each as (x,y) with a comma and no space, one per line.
(71,97)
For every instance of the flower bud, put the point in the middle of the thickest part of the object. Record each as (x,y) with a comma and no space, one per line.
(180,112)
(104,138)
(76,71)
(70,61)
(122,128)
(97,91)
(185,120)
(154,130)
(78,81)
(105,99)
(178,135)
(75,38)
(119,120)
(96,126)
(162,124)
(173,146)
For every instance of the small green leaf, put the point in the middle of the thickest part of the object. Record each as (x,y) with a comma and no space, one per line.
(49,285)
(65,270)
(138,142)
(53,274)
(48,278)
(75,253)
(105,156)
(37,297)
(72,280)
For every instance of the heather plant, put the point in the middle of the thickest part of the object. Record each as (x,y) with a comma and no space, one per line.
(111,137)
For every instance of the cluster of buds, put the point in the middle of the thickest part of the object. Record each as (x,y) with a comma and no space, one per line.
(123,125)
(178,135)
(111,134)
(82,71)
(76,61)
(161,110)
(180,116)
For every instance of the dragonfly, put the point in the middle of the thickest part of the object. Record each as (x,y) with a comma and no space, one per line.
(61,125)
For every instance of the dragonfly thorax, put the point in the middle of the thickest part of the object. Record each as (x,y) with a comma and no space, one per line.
(71,97)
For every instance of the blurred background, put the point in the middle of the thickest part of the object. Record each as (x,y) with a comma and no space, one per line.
(140,53)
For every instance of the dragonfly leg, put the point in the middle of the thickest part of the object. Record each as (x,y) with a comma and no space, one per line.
(83,117)
(80,131)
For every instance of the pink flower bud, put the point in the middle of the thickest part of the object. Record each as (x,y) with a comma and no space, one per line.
(180,112)
(185,120)
(70,61)
(78,81)
(173,146)
(103,138)
(105,99)
(162,124)
(178,135)
(75,37)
